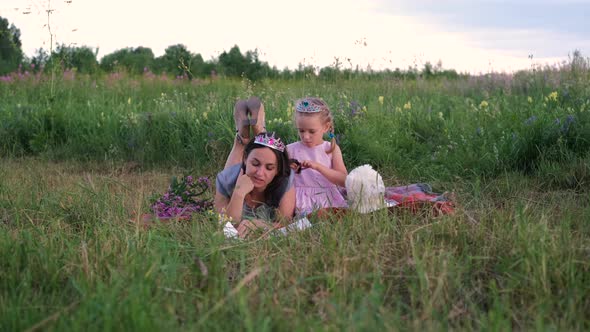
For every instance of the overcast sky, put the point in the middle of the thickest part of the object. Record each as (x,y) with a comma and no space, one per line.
(473,36)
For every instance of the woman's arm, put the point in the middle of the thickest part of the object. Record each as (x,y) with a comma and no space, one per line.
(234,205)
(286,208)
(337,174)
(285,212)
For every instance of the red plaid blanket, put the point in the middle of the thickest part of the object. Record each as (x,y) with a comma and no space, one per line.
(417,196)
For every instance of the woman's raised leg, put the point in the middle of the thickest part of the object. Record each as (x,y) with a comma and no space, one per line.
(257,116)
(242,123)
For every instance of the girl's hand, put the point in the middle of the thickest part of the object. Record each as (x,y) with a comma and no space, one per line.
(310,164)
(244,184)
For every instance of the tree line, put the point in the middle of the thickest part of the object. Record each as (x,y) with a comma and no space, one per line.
(178,61)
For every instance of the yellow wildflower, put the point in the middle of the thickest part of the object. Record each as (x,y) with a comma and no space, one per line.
(205,115)
(440,115)
(552,96)
(129,101)
(381,100)
(224,218)
(483,104)
(530,100)
(408,105)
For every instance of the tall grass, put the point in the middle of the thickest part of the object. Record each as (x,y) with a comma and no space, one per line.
(511,257)
(467,127)
(78,170)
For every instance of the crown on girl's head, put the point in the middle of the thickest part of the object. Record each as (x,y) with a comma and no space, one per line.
(270,140)
(307,106)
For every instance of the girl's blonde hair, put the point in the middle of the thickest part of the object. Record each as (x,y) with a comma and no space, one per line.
(313,106)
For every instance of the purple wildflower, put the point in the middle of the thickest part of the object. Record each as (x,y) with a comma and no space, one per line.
(530,120)
(569,120)
(181,199)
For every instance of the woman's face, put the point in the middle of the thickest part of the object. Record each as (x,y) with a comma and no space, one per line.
(311,129)
(261,167)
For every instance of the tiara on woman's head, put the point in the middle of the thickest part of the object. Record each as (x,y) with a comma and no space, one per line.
(307,106)
(270,141)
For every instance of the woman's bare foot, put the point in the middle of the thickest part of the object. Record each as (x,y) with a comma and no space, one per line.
(242,122)
(257,116)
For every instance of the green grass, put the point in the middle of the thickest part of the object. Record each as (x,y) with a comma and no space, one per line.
(511,257)
(79,167)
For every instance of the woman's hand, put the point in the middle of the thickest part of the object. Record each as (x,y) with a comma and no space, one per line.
(246,227)
(244,184)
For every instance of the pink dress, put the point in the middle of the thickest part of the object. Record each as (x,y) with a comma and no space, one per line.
(313,190)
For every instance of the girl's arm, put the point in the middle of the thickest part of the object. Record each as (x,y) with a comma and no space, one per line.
(337,174)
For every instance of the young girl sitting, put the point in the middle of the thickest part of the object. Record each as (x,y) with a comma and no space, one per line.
(321,168)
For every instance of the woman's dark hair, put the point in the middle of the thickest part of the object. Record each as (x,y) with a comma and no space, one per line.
(280,181)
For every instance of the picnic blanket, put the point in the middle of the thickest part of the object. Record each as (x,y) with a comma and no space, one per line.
(416,197)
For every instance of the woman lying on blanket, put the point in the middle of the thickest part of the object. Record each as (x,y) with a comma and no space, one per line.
(255,188)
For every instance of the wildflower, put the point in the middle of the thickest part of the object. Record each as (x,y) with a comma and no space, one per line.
(530,120)
(224,218)
(205,115)
(129,101)
(381,100)
(440,115)
(484,104)
(530,99)
(408,105)
(354,106)
(181,198)
(566,124)
(552,96)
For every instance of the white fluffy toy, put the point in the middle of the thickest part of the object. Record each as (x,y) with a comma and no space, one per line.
(365,190)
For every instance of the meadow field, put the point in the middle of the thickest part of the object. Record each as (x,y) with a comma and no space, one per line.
(84,156)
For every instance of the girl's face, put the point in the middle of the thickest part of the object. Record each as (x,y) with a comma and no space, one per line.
(261,167)
(311,129)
